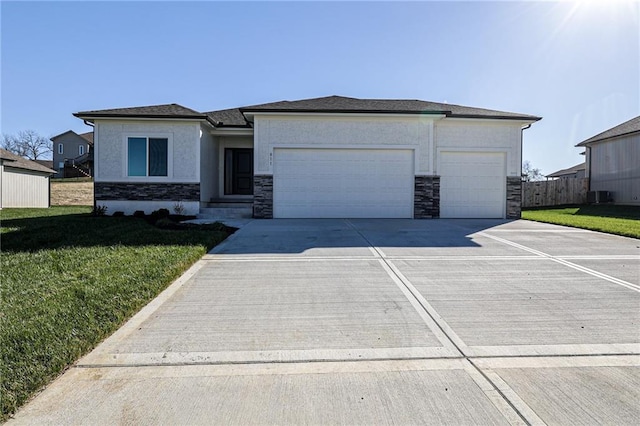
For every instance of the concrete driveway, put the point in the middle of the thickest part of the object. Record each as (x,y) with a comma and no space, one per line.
(376,322)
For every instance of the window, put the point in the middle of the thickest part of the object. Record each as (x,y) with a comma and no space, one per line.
(60,148)
(80,149)
(147,156)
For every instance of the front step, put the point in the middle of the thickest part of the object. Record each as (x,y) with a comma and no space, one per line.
(243,211)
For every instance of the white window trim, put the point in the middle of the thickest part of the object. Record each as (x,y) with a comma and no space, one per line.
(80,149)
(147,136)
(60,148)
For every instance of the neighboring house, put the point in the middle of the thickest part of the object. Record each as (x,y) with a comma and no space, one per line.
(23,183)
(613,162)
(325,157)
(575,172)
(72,154)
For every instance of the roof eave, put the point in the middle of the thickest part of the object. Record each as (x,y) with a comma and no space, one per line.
(591,140)
(526,118)
(90,116)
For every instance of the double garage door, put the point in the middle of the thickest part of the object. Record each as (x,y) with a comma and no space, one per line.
(343,183)
(378,183)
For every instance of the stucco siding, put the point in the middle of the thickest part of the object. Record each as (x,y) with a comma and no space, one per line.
(110,149)
(345,132)
(23,188)
(615,167)
(478,135)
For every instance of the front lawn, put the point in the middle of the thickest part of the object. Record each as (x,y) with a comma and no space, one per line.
(70,279)
(612,219)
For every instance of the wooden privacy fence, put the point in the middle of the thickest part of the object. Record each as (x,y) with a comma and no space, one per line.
(554,192)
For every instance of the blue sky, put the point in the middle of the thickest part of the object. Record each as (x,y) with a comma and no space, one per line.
(576,64)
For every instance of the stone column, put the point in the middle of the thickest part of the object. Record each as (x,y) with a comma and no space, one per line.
(426,197)
(263,196)
(514,197)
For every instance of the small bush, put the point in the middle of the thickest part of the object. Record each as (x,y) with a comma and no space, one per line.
(139,214)
(118,214)
(99,210)
(178,208)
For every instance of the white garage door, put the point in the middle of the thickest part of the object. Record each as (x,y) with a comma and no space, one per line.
(472,184)
(343,183)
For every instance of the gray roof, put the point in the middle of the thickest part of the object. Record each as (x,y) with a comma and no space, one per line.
(228,117)
(235,117)
(628,127)
(18,162)
(47,163)
(151,111)
(88,136)
(569,171)
(394,106)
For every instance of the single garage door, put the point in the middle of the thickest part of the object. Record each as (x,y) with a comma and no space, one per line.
(343,183)
(472,184)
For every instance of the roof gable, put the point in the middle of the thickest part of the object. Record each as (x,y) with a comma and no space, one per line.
(626,128)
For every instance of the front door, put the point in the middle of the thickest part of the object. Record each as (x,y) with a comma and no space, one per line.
(238,171)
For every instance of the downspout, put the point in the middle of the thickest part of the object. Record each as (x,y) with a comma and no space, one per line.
(589,168)
(521,145)
(521,155)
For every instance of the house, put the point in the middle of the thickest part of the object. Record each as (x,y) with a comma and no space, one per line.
(613,162)
(324,158)
(23,183)
(72,156)
(575,172)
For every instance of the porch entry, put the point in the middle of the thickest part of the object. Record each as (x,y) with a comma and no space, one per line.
(238,171)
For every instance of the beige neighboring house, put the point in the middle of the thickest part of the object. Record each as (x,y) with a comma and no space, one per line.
(23,183)
(72,154)
(613,163)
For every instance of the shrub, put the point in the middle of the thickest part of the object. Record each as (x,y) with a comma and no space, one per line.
(99,210)
(139,214)
(118,214)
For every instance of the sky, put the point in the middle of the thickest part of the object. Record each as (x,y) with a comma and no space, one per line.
(576,64)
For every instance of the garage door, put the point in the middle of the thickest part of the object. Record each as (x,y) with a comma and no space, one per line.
(472,184)
(343,183)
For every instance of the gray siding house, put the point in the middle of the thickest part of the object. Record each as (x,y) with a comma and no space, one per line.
(72,156)
(613,162)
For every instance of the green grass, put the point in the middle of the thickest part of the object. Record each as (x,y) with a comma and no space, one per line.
(619,220)
(70,279)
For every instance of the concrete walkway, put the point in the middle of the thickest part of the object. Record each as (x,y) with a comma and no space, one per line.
(376,322)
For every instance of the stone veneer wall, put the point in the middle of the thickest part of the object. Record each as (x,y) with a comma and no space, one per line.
(263,196)
(426,197)
(147,191)
(514,197)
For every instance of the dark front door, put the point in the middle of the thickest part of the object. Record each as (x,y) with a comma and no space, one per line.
(238,171)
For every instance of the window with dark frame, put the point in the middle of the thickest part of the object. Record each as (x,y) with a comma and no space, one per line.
(147,156)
